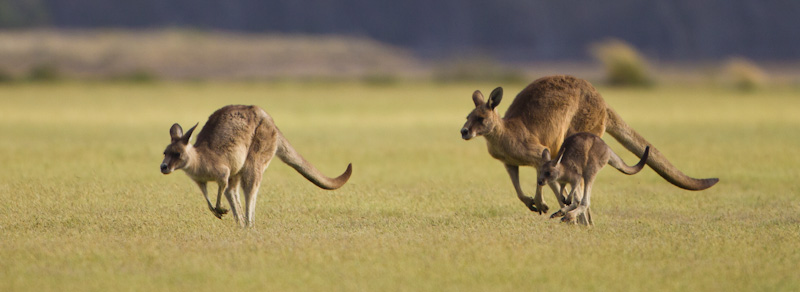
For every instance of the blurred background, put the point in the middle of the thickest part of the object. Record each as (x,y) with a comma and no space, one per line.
(741,43)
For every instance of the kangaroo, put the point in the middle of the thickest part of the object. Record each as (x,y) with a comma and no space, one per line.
(542,115)
(235,147)
(580,158)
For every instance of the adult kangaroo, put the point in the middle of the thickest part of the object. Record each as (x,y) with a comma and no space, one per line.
(542,116)
(235,146)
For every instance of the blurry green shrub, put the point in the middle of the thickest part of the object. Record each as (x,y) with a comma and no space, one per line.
(137,76)
(44,73)
(624,65)
(6,77)
(477,69)
(380,79)
(743,74)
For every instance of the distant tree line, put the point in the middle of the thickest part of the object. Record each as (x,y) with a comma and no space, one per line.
(504,29)
(22,13)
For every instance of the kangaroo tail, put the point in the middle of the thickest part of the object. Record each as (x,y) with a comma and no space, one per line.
(617,162)
(636,144)
(288,155)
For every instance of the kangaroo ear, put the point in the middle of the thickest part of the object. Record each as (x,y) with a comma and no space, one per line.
(185,138)
(559,158)
(546,154)
(495,97)
(175,132)
(477,98)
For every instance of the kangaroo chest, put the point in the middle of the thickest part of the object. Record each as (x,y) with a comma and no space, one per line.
(512,154)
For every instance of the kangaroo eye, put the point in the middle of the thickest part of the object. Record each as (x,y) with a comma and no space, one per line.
(479,120)
(546,173)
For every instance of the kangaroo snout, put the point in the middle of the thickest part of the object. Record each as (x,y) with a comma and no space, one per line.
(465,134)
(165,168)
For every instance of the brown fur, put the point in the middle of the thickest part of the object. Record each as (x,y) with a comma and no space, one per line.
(579,160)
(235,147)
(546,112)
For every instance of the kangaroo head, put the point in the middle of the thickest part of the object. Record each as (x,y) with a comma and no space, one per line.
(483,119)
(550,170)
(176,156)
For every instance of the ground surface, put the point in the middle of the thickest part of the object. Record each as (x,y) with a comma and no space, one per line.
(85,208)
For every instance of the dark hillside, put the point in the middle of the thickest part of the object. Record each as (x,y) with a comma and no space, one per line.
(507,29)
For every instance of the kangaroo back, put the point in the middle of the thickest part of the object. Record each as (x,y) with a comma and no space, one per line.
(636,144)
(288,155)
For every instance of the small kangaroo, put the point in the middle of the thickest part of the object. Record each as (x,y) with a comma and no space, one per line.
(542,115)
(580,158)
(235,147)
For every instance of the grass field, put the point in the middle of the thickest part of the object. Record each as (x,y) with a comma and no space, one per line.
(85,208)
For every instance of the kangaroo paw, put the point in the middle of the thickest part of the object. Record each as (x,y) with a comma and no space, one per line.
(543,208)
(533,208)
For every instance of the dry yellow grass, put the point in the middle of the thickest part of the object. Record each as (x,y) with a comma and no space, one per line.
(86,209)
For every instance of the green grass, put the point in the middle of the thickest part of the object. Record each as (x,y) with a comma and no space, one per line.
(84,207)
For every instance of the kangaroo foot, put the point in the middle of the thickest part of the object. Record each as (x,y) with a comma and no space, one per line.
(557,214)
(569,217)
(219,211)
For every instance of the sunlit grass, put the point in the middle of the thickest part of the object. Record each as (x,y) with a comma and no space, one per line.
(85,207)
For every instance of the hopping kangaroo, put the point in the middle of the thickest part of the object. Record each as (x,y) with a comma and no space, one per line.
(580,158)
(235,147)
(542,115)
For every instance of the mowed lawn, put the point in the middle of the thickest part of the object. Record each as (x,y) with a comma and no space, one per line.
(85,208)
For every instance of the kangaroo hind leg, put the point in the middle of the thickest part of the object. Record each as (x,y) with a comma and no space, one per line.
(262,150)
(582,209)
(252,174)
(251,182)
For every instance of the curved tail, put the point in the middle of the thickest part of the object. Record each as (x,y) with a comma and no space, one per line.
(288,155)
(617,162)
(636,144)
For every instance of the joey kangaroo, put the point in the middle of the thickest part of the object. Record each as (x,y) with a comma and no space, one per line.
(542,115)
(580,158)
(235,147)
